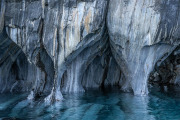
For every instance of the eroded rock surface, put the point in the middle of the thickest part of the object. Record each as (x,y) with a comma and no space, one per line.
(142,32)
(73,45)
(71,33)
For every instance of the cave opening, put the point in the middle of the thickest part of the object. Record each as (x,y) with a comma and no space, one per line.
(102,72)
(166,74)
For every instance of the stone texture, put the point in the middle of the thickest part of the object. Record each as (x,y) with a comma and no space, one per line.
(14,74)
(142,32)
(57,32)
(73,45)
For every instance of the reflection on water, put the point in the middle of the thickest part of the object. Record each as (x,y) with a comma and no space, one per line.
(96,105)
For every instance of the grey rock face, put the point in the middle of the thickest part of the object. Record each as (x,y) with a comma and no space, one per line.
(14,74)
(107,70)
(2,11)
(60,30)
(142,32)
(72,45)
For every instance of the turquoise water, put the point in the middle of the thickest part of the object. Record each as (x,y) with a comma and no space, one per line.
(111,104)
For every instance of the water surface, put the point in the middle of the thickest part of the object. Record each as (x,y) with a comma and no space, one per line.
(109,104)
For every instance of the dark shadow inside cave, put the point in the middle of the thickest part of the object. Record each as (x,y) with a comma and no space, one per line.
(17,74)
(13,66)
(167,73)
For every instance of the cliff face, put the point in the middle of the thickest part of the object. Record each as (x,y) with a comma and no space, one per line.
(60,37)
(141,33)
(71,45)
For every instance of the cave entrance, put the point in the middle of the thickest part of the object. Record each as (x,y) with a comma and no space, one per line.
(167,74)
(13,65)
(102,72)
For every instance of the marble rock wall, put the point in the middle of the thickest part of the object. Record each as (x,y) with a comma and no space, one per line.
(54,46)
